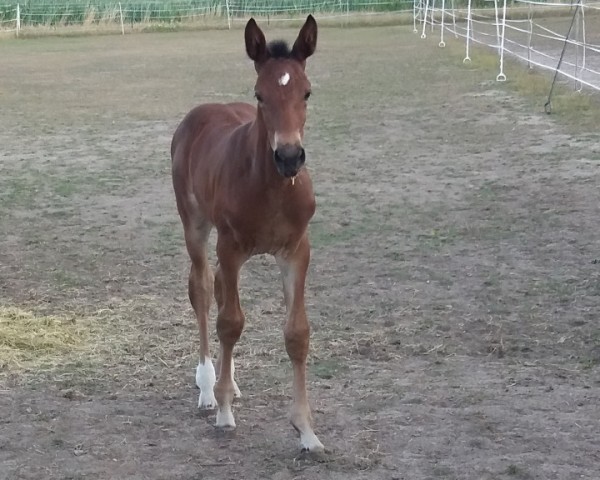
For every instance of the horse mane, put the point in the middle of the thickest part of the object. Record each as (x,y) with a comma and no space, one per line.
(279,49)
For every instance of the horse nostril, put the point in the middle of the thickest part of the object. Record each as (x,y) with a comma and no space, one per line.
(290,153)
(289,159)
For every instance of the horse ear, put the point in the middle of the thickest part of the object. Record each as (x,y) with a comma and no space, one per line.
(256,45)
(306,43)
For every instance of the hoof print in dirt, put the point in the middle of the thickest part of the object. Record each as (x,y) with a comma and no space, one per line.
(225,432)
(318,456)
(204,412)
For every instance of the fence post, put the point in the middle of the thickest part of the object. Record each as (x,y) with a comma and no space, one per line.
(442,44)
(18,19)
(121,15)
(583,44)
(228,14)
(344,13)
(415,15)
(467,58)
(454,20)
(501,76)
(530,35)
(423,34)
(498,24)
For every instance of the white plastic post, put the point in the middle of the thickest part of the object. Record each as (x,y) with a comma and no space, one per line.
(497,24)
(454,20)
(347,11)
(467,58)
(578,85)
(415,15)
(530,35)
(121,16)
(442,44)
(583,42)
(18,19)
(501,77)
(423,34)
(228,14)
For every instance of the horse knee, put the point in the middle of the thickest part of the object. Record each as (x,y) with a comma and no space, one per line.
(230,326)
(200,286)
(296,341)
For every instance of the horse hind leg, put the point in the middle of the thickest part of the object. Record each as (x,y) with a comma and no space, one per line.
(200,293)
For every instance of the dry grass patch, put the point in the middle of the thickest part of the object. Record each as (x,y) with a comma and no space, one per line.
(29,340)
(123,336)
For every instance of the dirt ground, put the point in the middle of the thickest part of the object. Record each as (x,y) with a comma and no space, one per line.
(454,289)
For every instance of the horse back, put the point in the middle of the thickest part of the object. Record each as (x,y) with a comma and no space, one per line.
(204,144)
(208,120)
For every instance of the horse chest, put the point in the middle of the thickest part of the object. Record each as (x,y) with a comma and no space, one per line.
(273,224)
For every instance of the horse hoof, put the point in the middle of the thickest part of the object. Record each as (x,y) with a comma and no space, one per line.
(314,449)
(314,455)
(207,401)
(310,443)
(225,420)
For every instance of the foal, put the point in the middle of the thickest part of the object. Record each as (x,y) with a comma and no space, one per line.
(240,169)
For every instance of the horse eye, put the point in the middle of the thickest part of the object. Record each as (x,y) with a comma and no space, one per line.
(258,97)
(306,96)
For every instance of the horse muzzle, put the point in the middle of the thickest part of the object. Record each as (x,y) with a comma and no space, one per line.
(289,159)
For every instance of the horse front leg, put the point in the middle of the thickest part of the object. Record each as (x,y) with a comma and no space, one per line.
(294,266)
(230,323)
(219,300)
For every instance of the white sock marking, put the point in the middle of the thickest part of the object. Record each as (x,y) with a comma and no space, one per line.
(225,418)
(310,442)
(205,379)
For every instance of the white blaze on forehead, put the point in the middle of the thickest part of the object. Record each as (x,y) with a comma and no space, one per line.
(284,79)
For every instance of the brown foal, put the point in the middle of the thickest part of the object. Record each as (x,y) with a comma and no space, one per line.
(240,169)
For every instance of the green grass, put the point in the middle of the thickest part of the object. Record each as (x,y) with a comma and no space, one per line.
(328,368)
(17,190)
(77,12)
(436,238)
(34,189)
(517,471)
(65,279)
(580,110)
(168,239)
(65,187)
